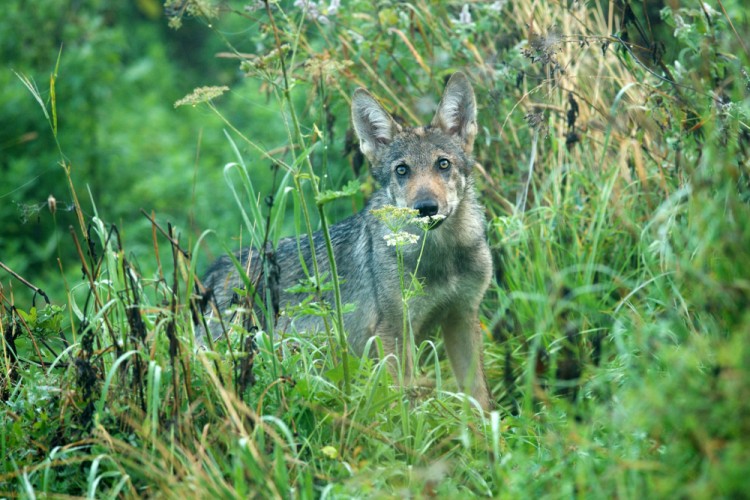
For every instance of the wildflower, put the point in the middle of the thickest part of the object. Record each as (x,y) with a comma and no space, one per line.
(313,12)
(201,94)
(465,16)
(498,6)
(52,204)
(255,6)
(310,9)
(710,11)
(400,238)
(428,222)
(393,217)
(681,28)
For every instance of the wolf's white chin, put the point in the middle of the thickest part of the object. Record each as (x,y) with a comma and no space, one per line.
(435,222)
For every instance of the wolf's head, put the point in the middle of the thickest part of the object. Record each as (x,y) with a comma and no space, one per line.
(424,168)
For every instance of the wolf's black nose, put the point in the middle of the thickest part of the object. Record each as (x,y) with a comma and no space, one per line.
(426,208)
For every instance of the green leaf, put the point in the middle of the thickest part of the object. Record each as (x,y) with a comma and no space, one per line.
(336,374)
(349,190)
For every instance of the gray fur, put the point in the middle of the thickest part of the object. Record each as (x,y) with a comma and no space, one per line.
(456,266)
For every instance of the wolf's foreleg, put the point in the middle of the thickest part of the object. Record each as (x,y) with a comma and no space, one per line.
(463,342)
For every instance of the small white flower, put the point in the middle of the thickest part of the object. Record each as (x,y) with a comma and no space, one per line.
(709,10)
(312,11)
(255,6)
(681,27)
(400,238)
(428,221)
(498,6)
(465,16)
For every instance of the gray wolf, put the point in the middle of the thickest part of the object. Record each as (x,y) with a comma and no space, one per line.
(426,168)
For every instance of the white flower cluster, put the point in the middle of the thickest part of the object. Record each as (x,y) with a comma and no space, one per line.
(427,221)
(498,6)
(317,12)
(465,16)
(400,238)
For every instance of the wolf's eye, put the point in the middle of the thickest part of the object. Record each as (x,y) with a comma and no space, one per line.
(402,169)
(444,164)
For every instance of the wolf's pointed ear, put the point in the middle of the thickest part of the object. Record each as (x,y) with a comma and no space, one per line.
(374,126)
(457,111)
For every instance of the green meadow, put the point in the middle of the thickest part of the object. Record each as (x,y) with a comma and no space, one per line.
(139,142)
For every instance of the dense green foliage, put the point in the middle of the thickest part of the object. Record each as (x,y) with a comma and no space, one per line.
(613,159)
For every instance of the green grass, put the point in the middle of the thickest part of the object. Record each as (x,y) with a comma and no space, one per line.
(617,332)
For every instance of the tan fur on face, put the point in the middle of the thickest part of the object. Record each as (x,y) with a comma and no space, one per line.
(420,149)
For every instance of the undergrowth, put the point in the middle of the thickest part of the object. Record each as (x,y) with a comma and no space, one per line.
(613,163)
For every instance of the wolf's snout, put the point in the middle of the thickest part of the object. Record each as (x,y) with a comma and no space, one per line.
(426,208)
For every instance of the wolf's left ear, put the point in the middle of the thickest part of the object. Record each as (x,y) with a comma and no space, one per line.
(457,111)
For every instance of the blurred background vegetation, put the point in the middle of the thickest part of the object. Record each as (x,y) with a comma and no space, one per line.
(121,69)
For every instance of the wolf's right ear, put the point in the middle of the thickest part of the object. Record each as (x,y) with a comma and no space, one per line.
(374,126)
